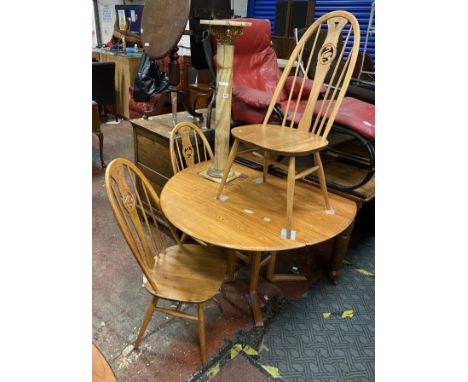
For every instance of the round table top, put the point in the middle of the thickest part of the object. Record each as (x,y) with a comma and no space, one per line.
(254,214)
(162,25)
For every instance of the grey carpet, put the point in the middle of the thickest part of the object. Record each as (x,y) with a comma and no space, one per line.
(305,346)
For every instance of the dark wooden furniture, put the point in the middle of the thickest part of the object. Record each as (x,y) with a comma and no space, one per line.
(200,95)
(151,138)
(163,24)
(290,14)
(103,86)
(97,130)
(283,46)
(126,69)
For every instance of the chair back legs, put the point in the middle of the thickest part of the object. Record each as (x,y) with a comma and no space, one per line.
(323,182)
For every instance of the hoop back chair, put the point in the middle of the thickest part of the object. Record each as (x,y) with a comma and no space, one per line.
(308,118)
(188,146)
(181,273)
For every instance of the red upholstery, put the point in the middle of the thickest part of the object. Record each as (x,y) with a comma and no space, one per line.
(255,67)
(354,114)
(256,74)
(297,87)
(254,97)
(136,109)
(358,116)
(255,63)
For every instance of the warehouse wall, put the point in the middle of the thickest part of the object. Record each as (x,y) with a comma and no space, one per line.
(106,9)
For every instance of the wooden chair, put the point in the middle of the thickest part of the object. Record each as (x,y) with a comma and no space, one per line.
(181,273)
(188,146)
(313,110)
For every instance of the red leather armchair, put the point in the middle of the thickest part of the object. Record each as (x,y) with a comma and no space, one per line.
(256,72)
(136,109)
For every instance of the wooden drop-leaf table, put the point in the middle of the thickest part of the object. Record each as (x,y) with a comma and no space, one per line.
(251,217)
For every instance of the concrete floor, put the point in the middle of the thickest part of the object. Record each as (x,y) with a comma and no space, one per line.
(169,350)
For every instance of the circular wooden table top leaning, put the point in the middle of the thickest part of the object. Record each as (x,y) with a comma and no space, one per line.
(254,213)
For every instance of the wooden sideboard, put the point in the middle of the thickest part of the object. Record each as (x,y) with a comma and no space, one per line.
(126,69)
(151,144)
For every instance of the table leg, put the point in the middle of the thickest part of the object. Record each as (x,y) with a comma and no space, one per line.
(254,274)
(340,247)
(272,276)
(231,269)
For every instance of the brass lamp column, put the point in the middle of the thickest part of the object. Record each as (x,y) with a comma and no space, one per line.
(225,32)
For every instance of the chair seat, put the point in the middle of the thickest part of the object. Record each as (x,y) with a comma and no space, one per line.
(192,273)
(281,140)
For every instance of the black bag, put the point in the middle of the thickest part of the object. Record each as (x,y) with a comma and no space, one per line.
(149,79)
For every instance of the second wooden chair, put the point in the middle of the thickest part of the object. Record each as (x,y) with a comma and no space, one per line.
(309,109)
(182,273)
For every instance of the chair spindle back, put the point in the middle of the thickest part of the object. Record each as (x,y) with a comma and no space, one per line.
(127,188)
(316,111)
(188,146)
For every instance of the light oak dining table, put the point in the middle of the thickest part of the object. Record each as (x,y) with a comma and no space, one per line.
(250,217)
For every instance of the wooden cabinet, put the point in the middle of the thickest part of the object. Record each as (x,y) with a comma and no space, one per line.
(126,69)
(151,145)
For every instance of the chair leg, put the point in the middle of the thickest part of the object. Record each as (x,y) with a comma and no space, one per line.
(265,165)
(323,181)
(201,333)
(101,145)
(115,113)
(231,264)
(232,156)
(290,193)
(146,320)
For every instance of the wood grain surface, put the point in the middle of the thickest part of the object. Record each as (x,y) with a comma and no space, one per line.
(189,202)
(280,140)
(126,69)
(102,372)
(162,25)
